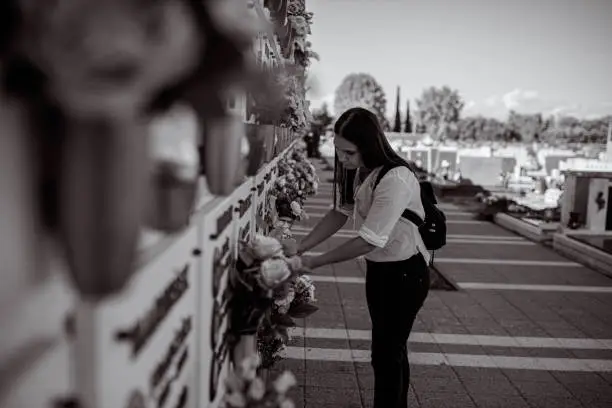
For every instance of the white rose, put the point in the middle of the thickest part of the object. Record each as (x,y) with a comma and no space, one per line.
(274,271)
(284,382)
(250,374)
(236,400)
(248,367)
(286,301)
(295,263)
(287,404)
(296,208)
(265,247)
(257,389)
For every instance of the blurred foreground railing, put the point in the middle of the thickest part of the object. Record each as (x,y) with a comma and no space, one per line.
(163,340)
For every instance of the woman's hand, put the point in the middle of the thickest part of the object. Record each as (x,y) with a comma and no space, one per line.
(307,262)
(290,247)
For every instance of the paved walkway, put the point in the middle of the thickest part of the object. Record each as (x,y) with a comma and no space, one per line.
(528,328)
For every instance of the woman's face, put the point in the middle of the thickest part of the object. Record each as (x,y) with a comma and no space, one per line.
(347,152)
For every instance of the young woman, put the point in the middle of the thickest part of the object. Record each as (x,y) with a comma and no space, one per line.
(397,277)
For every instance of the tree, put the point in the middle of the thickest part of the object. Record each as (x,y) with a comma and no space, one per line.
(321,118)
(397,124)
(361,90)
(568,129)
(408,123)
(529,127)
(482,129)
(439,108)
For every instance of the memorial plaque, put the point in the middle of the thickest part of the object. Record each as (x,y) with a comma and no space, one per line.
(245,211)
(138,341)
(218,257)
(262,183)
(45,380)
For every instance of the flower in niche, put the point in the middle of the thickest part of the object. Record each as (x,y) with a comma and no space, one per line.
(235,399)
(296,208)
(285,382)
(257,389)
(244,389)
(287,404)
(266,247)
(274,271)
(284,304)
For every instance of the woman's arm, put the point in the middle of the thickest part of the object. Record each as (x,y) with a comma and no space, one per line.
(394,193)
(329,225)
(351,249)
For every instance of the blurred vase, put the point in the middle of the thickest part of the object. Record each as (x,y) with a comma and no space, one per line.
(222,154)
(256,136)
(102,201)
(268,132)
(19,226)
(172,198)
(174,177)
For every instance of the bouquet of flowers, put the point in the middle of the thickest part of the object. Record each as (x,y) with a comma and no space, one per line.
(297,180)
(246,390)
(281,230)
(262,271)
(492,204)
(287,199)
(303,171)
(306,175)
(295,301)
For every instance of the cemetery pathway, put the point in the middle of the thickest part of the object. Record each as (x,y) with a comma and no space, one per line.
(526,327)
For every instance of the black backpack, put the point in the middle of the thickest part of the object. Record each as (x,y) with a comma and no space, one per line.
(433,227)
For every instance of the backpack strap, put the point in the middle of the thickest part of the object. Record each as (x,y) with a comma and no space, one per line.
(381,174)
(407,214)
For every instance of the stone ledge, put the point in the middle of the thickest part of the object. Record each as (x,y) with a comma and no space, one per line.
(585,254)
(523,228)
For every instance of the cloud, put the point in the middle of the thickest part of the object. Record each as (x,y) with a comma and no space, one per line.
(318,102)
(519,97)
(531,101)
(469,104)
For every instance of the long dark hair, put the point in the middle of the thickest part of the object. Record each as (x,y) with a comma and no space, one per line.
(361,127)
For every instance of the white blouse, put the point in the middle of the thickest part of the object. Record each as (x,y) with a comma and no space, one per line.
(377,214)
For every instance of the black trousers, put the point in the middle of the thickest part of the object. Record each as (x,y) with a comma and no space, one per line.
(395,292)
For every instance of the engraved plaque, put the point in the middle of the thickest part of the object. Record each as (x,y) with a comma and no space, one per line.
(142,330)
(222,222)
(244,205)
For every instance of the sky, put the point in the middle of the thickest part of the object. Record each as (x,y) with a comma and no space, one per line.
(549,56)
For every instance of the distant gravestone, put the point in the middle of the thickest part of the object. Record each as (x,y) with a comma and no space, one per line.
(508,164)
(449,156)
(552,162)
(419,156)
(483,171)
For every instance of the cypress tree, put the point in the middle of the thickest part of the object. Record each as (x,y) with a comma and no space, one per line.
(397,125)
(408,123)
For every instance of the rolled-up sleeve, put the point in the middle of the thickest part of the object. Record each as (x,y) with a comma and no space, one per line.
(395,192)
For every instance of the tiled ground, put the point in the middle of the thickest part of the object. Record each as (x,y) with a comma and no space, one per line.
(529,346)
